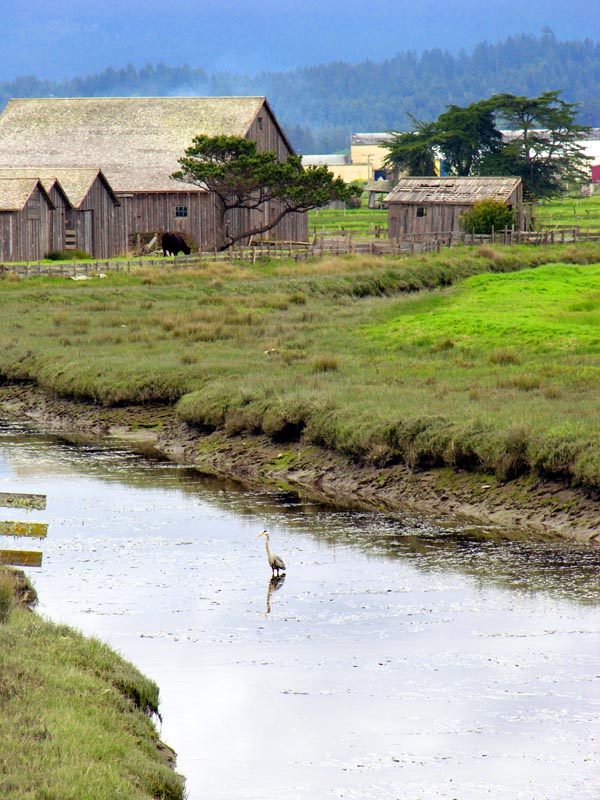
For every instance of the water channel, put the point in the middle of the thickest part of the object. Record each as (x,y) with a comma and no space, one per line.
(395,660)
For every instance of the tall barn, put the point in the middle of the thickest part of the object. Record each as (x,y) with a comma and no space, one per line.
(136,143)
(434,205)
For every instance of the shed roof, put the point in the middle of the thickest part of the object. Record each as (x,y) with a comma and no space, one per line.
(136,140)
(74,183)
(15,192)
(460,191)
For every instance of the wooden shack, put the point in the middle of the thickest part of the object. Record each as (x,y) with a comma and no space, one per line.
(136,142)
(434,205)
(25,219)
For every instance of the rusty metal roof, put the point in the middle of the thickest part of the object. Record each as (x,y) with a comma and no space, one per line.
(136,140)
(460,191)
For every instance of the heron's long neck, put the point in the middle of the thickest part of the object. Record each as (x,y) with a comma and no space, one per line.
(268,548)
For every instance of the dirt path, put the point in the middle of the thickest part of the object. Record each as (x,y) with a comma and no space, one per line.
(527,506)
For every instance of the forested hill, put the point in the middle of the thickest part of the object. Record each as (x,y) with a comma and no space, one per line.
(320,106)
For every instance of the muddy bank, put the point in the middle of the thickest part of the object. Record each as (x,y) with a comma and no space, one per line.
(523,506)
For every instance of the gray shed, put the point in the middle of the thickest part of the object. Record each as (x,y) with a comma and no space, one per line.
(434,205)
(25,219)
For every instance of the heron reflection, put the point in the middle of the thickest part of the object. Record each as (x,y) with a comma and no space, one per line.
(275,583)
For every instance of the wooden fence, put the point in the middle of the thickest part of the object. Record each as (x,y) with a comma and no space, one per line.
(35,530)
(334,243)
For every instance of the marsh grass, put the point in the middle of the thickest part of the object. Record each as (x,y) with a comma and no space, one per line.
(6,596)
(75,719)
(428,360)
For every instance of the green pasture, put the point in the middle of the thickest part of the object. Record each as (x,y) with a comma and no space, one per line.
(569,210)
(482,358)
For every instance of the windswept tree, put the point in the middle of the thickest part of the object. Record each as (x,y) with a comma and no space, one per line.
(241,177)
(461,137)
(541,145)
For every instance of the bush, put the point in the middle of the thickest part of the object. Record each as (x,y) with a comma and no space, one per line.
(67,255)
(487,216)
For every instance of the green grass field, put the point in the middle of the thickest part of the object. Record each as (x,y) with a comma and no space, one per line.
(570,210)
(480,358)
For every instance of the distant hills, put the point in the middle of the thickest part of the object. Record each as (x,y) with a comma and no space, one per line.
(319,106)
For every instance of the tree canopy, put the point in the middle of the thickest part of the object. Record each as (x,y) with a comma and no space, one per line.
(540,144)
(242,177)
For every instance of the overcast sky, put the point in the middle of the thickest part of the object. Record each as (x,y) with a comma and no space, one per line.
(67,38)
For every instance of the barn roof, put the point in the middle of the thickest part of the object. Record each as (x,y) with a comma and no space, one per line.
(15,192)
(74,184)
(460,191)
(136,140)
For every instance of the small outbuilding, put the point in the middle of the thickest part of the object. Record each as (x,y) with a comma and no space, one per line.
(85,215)
(434,205)
(25,219)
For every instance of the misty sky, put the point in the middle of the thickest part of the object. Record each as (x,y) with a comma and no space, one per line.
(67,38)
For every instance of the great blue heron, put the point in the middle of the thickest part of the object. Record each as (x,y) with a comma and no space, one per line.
(275,562)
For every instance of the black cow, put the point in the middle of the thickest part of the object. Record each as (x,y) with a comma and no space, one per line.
(174,243)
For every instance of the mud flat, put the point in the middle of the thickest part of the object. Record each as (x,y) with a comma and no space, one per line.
(526,506)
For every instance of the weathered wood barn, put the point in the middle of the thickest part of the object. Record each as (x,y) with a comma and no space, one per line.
(25,219)
(136,143)
(434,205)
(86,211)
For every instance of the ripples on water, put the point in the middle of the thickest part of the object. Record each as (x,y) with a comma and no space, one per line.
(396,659)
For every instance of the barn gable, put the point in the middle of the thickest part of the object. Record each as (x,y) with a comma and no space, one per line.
(434,205)
(135,140)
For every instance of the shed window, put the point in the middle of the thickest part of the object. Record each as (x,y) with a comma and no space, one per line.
(181,211)
(260,123)
(421,211)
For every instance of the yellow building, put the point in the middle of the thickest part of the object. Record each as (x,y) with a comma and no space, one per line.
(365,161)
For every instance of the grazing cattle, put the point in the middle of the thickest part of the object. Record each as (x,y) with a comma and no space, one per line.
(174,243)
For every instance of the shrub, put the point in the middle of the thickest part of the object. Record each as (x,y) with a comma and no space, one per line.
(487,216)
(67,255)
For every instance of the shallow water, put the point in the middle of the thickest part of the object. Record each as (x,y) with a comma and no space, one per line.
(395,660)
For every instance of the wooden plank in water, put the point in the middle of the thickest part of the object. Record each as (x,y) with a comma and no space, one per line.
(35,530)
(23,500)
(21,558)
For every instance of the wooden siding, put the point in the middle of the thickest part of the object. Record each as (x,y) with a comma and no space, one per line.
(96,225)
(58,217)
(25,235)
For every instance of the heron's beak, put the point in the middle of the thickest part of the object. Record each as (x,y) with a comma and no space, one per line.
(260,534)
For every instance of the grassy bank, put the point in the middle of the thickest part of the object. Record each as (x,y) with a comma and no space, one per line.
(74,716)
(473,358)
